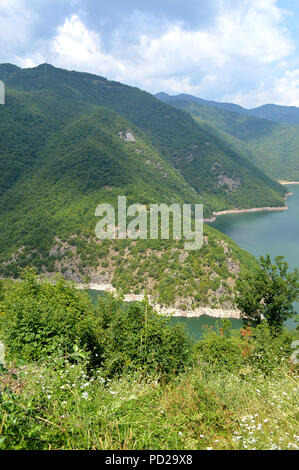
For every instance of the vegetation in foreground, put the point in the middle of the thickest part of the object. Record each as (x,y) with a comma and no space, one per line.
(121,377)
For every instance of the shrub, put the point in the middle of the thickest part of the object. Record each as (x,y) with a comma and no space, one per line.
(41,318)
(221,351)
(266,352)
(137,337)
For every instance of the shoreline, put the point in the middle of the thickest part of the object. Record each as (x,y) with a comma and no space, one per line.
(243,211)
(253,209)
(200,311)
(287,182)
(166,311)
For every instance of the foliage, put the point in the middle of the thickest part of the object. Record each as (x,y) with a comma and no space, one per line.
(136,337)
(40,318)
(222,351)
(265,351)
(52,318)
(267,293)
(52,407)
(273,146)
(240,392)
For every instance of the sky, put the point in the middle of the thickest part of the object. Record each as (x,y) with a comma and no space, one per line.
(241,51)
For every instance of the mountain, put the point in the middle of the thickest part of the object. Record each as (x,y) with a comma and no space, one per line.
(272,112)
(272,146)
(234,108)
(70,141)
(175,135)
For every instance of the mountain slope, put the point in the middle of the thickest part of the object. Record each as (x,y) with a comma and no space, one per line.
(274,147)
(70,141)
(272,112)
(70,166)
(175,135)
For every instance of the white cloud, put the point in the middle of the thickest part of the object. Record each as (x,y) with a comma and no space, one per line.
(246,42)
(15,26)
(76,46)
(283,90)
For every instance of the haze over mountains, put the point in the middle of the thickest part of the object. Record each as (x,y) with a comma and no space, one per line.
(272,112)
(271,131)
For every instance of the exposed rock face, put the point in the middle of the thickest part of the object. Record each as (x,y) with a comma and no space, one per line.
(231,183)
(233,266)
(168,311)
(127,136)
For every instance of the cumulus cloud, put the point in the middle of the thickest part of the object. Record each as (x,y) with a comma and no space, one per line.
(283,90)
(15,26)
(244,43)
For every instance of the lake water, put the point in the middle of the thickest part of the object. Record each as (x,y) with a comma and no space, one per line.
(276,233)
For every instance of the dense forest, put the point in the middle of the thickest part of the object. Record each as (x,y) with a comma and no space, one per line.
(71,141)
(268,135)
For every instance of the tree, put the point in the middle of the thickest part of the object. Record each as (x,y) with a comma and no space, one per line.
(267,293)
(137,337)
(42,318)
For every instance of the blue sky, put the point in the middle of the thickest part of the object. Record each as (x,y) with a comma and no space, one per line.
(243,51)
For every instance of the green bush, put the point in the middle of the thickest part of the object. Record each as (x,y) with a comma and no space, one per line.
(220,351)
(136,337)
(42,318)
(267,352)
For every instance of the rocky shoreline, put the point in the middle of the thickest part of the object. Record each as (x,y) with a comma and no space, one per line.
(243,211)
(288,182)
(254,209)
(167,311)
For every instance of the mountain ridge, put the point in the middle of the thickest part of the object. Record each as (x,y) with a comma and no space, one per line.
(272,146)
(270,111)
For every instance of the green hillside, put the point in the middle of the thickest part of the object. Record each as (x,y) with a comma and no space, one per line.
(281,114)
(271,112)
(174,134)
(274,147)
(70,141)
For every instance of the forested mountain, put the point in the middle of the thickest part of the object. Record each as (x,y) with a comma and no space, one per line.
(185,145)
(70,141)
(272,112)
(274,147)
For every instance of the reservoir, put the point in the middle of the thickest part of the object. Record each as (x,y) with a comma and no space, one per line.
(276,233)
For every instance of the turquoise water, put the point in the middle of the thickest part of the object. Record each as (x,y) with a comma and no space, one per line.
(276,233)
(195,326)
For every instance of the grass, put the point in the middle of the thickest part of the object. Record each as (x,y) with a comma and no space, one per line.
(46,407)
